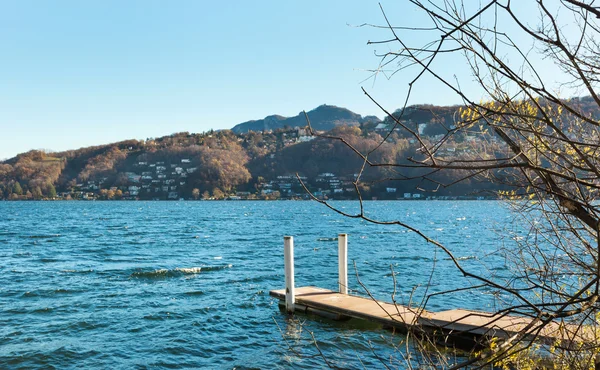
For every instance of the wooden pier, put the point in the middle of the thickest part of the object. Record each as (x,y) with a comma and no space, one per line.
(462,327)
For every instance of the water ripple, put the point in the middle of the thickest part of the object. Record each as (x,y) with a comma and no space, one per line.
(185,284)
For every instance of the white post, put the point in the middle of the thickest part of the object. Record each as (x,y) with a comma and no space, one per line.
(343,263)
(288,256)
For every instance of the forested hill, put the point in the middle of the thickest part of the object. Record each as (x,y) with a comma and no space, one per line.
(324,117)
(254,164)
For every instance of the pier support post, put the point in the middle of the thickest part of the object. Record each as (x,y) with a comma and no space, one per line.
(343,263)
(288,256)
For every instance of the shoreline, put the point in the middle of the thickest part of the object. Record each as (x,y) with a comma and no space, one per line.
(453,199)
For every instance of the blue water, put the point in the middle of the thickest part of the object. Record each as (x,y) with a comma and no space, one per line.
(185,284)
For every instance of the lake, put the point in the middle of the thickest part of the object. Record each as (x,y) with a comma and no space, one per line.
(155,285)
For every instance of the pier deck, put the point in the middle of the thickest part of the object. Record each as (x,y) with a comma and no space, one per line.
(463,327)
(459,323)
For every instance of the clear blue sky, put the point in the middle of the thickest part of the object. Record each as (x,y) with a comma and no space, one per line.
(79,73)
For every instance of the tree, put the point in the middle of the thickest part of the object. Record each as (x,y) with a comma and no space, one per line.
(218,194)
(37,193)
(110,194)
(51,191)
(542,147)
(196,193)
(17,188)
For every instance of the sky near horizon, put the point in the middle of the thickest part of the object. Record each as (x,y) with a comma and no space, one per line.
(80,73)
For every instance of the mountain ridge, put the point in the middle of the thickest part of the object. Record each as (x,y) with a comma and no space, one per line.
(322,118)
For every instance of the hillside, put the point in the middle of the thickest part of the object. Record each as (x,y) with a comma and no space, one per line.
(252,164)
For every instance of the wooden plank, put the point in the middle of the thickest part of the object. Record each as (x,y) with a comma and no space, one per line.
(451,322)
(504,326)
(352,306)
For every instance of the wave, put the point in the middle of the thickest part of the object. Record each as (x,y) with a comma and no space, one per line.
(194,292)
(78,271)
(179,271)
(326,239)
(43,236)
(49,260)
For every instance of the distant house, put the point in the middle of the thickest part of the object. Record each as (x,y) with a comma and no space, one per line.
(407,195)
(416,196)
(173,195)
(191,170)
(133,177)
(390,190)
(185,160)
(304,139)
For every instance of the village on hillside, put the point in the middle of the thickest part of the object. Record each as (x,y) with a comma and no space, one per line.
(279,163)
